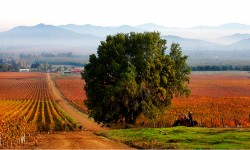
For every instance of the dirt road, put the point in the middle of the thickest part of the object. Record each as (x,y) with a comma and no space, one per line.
(85,139)
(73,140)
(79,116)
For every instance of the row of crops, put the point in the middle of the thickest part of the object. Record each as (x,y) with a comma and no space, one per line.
(27,107)
(72,88)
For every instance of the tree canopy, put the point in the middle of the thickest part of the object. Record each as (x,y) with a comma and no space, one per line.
(132,75)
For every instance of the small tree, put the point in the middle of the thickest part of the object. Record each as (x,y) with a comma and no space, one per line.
(131,75)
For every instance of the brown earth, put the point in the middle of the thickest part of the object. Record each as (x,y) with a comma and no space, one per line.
(73,140)
(85,139)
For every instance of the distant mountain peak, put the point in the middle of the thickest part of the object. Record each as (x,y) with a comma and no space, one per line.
(40,24)
(233,26)
(46,37)
(240,34)
(125,26)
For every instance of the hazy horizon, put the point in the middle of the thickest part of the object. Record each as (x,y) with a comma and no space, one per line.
(211,19)
(179,13)
(146,23)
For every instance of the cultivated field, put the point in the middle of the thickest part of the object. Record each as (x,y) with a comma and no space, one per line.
(27,105)
(217,99)
(72,88)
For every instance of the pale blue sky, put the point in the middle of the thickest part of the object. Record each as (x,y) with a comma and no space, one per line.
(177,13)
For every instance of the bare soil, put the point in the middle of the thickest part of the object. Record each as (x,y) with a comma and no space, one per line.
(73,140)
(84,139)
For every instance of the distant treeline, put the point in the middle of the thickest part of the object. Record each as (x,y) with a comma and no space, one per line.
(78,64)
(220,68)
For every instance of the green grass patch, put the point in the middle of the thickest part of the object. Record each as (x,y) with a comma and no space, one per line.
(182,138)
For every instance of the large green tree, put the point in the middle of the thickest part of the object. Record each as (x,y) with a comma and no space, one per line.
(132,75)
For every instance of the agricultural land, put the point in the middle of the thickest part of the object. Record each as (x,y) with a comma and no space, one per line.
(42,110)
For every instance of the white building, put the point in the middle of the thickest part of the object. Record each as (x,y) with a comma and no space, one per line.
(24,70)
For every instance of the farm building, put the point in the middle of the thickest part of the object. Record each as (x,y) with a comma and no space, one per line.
(24,70)
(76,70)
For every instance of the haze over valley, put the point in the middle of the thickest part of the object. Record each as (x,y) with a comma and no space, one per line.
(222,44)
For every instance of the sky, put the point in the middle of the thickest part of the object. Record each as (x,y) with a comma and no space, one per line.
(169,13)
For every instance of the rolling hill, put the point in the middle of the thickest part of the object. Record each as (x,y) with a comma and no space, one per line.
(192,44)
(46,37)
(99,30)
(86,38)
(234,38)
(228,26)
(242,45)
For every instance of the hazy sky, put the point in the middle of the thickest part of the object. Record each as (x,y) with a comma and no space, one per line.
(178,13)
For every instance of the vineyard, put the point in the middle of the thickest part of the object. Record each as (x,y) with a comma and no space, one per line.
(72,88)
(217,100)
(213,111)
(231,84)
(27,106)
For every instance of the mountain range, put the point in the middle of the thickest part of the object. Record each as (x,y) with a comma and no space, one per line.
(99,30)
(86,38)
(46,37)
(229,26)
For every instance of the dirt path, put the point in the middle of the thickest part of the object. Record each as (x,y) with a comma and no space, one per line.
(85,139)
(73,140)
(79,116)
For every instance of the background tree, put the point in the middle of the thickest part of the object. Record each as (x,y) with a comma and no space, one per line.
(181,70)
(132,75)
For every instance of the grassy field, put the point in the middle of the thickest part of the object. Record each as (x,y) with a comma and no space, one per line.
(183,138)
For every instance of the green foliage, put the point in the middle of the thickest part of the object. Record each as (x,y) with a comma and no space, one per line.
(182,138)
(131,74)
(221,68)
(181,69)
(4,67)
